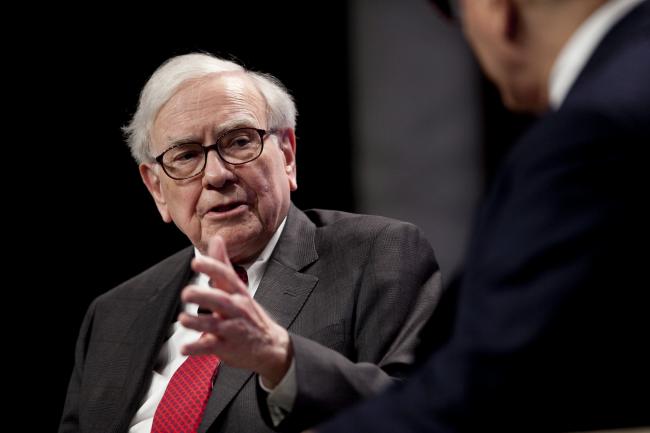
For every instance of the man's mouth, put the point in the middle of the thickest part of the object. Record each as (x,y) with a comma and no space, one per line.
(225,208)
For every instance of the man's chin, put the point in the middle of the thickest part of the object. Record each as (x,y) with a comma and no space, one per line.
(242,241)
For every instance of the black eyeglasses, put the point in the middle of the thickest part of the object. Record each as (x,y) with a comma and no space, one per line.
(236,147)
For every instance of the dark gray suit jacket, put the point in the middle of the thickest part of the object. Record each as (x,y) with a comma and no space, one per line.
(352,290)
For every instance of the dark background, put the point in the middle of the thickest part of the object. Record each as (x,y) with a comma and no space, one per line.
(89,223)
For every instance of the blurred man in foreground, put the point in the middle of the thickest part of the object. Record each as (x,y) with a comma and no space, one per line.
(549,328)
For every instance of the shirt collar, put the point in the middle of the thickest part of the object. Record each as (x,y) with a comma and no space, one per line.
(579,48)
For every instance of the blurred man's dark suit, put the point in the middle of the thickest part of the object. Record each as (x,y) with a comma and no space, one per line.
(549,328)
(346,286)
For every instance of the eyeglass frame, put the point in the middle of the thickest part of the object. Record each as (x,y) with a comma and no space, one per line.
(262,133)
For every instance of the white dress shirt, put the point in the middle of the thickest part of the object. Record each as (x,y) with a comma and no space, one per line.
(170,358)
(580,47)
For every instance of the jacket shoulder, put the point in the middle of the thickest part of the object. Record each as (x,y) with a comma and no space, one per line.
(358,229)
(331,219)
(144,284)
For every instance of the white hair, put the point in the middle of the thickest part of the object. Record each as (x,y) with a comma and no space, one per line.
(165,81)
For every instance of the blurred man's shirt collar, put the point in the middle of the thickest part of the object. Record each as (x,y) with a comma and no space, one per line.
(579,48)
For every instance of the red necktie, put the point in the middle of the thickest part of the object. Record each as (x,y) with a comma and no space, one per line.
(181,408)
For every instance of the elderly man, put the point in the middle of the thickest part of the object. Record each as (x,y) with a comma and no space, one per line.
(550,322)
(305,312)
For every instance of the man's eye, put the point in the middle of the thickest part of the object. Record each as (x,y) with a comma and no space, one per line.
(186,156)
(241,141)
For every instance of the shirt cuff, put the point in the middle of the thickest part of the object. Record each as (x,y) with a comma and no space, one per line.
(280,399)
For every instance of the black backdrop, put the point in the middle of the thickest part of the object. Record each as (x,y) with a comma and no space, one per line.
(93,221)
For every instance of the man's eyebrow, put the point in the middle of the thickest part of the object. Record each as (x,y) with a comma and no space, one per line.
(234,124)
(182,140)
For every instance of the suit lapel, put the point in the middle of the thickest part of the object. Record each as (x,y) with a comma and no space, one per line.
(284,289)
(148,333)
(282,292)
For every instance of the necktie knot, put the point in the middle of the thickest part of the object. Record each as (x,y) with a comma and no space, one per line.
(241,273)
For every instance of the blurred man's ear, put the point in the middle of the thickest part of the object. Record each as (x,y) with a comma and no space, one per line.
(505,20)
(151,180)
(503,17)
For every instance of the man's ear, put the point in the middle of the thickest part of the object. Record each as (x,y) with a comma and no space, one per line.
(288,147)
(151,180)
(503,17)
(507,26)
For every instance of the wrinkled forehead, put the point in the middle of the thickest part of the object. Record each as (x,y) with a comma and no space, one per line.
(203,108)
(214,90)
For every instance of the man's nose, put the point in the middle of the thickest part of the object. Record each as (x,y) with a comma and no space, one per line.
(217,172)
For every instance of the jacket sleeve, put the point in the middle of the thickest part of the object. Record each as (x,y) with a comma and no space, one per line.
(399,286)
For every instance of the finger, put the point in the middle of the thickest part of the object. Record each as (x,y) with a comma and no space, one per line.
(217,249)
(201,323)
(222,276)
(213,300)
(202,311)
(207,344)
(238,330)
